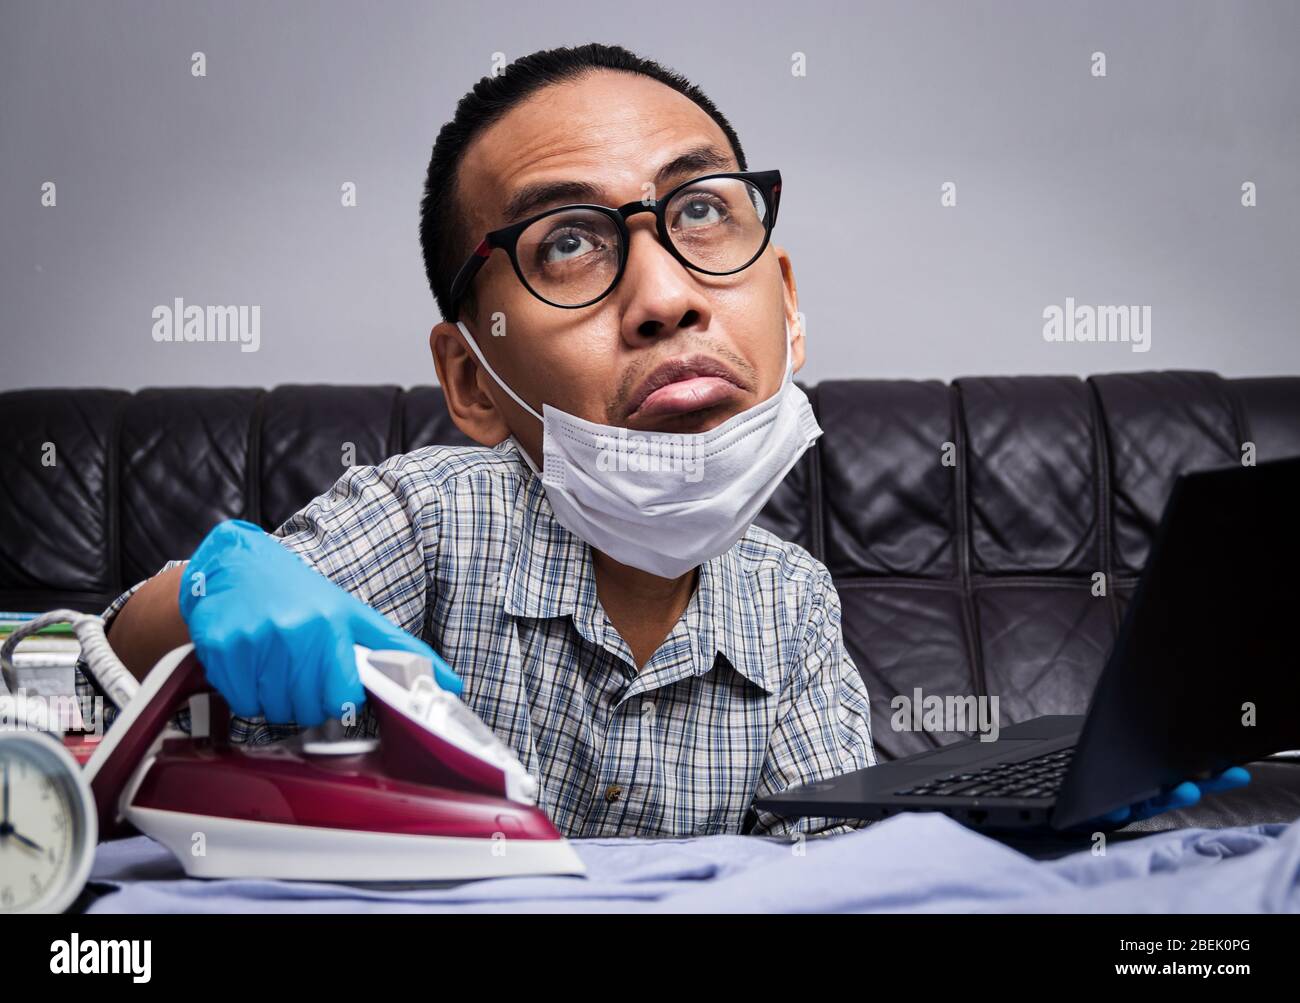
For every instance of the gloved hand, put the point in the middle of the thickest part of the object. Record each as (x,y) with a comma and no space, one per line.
(275,636)
(1183,795)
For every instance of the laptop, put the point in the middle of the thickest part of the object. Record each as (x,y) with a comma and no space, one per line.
(1204,674)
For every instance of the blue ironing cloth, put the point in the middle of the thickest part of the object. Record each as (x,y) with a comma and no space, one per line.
(910,863)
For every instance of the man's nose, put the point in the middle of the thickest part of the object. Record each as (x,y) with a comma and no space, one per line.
(662,296)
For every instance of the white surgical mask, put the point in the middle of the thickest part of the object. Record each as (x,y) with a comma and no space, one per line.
(667,502)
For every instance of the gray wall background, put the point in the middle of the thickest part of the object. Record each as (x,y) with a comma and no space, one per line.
(225,189)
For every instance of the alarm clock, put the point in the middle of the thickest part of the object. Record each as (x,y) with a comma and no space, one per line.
(48,826)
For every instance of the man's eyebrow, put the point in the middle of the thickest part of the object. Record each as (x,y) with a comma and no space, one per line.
(700,160)
(532,198)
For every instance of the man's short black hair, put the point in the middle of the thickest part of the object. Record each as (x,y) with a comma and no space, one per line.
(444,235)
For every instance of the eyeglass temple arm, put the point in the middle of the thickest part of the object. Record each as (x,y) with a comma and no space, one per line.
(468,270)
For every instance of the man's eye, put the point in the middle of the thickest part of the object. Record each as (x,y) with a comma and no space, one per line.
(566,245)
(700,210)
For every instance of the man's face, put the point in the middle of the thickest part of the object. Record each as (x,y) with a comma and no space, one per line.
(723,337)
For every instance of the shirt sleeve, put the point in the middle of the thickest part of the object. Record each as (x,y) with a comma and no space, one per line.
(824,724)
(366,534)
(371,534)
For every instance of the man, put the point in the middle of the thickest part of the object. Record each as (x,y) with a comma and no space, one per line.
(654,659)
(620,335)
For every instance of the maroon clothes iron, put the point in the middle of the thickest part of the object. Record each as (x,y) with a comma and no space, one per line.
(436,796)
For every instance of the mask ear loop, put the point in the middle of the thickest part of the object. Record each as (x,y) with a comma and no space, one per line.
(513,396)
(493,373)
(789,352)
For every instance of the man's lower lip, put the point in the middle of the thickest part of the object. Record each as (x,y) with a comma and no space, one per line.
(693,394)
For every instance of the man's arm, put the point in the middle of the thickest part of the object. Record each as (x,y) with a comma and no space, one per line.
(150,623)
(824,725)
(368,534)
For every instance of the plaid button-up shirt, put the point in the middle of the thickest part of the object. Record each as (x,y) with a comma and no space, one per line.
(751,692)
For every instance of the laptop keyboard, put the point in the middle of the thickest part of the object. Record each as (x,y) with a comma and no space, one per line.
(1039,777)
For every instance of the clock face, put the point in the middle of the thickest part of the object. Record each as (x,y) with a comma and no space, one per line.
(46,824)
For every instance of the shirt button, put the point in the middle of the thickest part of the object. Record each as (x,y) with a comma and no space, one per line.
(613,792)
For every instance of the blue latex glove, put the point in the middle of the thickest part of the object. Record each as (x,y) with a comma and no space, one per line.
(275,636)
(1183,795)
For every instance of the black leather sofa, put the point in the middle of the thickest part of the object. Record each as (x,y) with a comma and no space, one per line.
(963,523)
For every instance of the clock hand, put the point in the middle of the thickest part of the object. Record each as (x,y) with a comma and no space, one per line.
(23,839)
(6,827)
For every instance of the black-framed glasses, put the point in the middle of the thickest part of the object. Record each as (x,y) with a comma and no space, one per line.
(574,256)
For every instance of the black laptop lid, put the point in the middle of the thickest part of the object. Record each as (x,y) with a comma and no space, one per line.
(1205,672)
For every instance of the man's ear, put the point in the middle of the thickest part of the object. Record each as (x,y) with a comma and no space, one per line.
(462,378)
(790,297)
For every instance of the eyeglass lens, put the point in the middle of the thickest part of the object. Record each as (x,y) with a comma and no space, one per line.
(571,257)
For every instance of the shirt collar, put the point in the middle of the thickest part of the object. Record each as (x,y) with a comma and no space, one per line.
(551,575)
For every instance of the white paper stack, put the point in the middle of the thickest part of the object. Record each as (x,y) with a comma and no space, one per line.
(44,664)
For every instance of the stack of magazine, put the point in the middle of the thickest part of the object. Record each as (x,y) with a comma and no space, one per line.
(45,662)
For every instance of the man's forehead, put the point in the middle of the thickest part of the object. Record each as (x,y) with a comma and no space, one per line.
(614,131)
